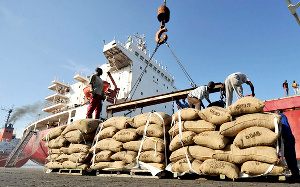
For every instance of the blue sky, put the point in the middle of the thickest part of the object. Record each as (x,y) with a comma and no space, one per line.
(40,40)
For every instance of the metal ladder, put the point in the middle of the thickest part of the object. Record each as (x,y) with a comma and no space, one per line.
(12,158)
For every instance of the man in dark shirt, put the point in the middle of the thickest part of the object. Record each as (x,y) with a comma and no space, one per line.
(285,86)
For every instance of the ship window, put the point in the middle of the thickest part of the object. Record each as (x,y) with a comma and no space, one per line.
(158,71)
(165,106)
(6,131)
(136,54)
(157,79)
(167,87)
(169,80)
(146,61)
(164,84)
(150,65)
(162,74)
(154,68)
(141,67)
(145,71)
(141,57)
(141,93)
(156,90)
(166,77)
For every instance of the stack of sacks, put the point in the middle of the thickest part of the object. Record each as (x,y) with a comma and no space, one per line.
(198,140)
(253,138)
(54,141)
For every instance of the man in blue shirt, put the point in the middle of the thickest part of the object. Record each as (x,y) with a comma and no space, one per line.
(183,104)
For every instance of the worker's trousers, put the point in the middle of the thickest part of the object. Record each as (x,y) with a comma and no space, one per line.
(232,83)
(95,105)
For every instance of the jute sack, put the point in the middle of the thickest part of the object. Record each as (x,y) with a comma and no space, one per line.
(141,119)
(258,168)
(211,139)
(126,135)
(246,105)
(62,158)
(75,148)
(196,151)
(77,136)
(160,166)
(74,165)
(187,139)
(54,133)
(187,114)
(107,144)
(54,165)
(108,132)
(183,166)
(232,128)
(103,156)
(126,156)
(115,165)
(214,167)
(235,155)
(83,125)
(255,136)
(195,126)
(56,143)
(53,157)
(54,151)
(153,130)
(215,115)
(150,144)
(80,157)
(152,156)
(120,122)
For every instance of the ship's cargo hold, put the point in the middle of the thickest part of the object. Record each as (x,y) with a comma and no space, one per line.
(150,144)
(186,139)
(246,105)
(62,158)
(126,156)
(115,165)
(107,144)
(151,156)
(56,143)
(238,156)
(183,166)
(255,136)
(153,130)
(214,167)
(126,135)
(211,139)
(83,125)
(215,115)
(54,133)
(194,126)
(75,148)
(74,165)
(103,156)
(196,151)
(54,165)
(141,119)
(108,132)
(120,122)
(232,128)
(187,114)
(259,168)
(77,136)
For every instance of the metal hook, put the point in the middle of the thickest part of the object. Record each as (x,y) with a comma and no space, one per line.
(158,35)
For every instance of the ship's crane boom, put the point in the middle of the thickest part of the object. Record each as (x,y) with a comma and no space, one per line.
(292,9)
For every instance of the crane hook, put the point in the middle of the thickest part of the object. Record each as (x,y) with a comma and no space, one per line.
(163,16)
(159,33)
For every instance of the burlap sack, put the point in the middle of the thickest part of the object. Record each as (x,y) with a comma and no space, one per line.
(259,168)
(246,105)
(103,156)
(107,144)
(56,143)
(150,144)
(54,165)
(53,157)
(232,128)
(187,114)
(80,157)
(108,132)
(160,166)
(54,151)
(211,139)
(214,167)
(83,125)
(120,122)
(54,133)
(196,151)
(235,155)
(255,136)
(103,165)
(195,126)
(74,165)
(126,156)
(215,115)
(183,166)
(77,136)
(62,158)
(153,130)
(126,135)
(186,139)
(141,119)
(151,156)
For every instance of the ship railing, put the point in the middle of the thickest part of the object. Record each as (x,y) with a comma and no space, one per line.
(58,80)
(56,102)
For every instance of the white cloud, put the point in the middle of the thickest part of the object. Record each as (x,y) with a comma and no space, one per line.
(77,68)
(11,17)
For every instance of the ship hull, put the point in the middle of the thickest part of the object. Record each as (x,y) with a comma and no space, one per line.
(21,160)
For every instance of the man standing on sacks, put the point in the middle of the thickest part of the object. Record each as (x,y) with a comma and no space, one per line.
(196,96)
(97,94)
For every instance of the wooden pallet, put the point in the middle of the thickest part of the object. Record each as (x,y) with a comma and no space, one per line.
(76,172)
(136,173)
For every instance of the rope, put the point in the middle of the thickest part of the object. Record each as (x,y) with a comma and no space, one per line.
(193,84)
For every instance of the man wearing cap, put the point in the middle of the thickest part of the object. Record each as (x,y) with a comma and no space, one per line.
(234,82)
(97,94)
(196,96)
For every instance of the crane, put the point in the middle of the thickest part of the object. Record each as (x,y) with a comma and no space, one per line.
(292,9)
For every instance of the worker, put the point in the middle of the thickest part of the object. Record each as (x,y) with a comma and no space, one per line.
(289,145)
(234,82)
(183,104)
(196,96)
(285,86)
(295,86)
(97,94)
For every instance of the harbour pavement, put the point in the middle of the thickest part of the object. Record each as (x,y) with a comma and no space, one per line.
(39,177)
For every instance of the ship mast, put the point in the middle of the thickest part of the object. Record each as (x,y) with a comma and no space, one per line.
(8,116)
